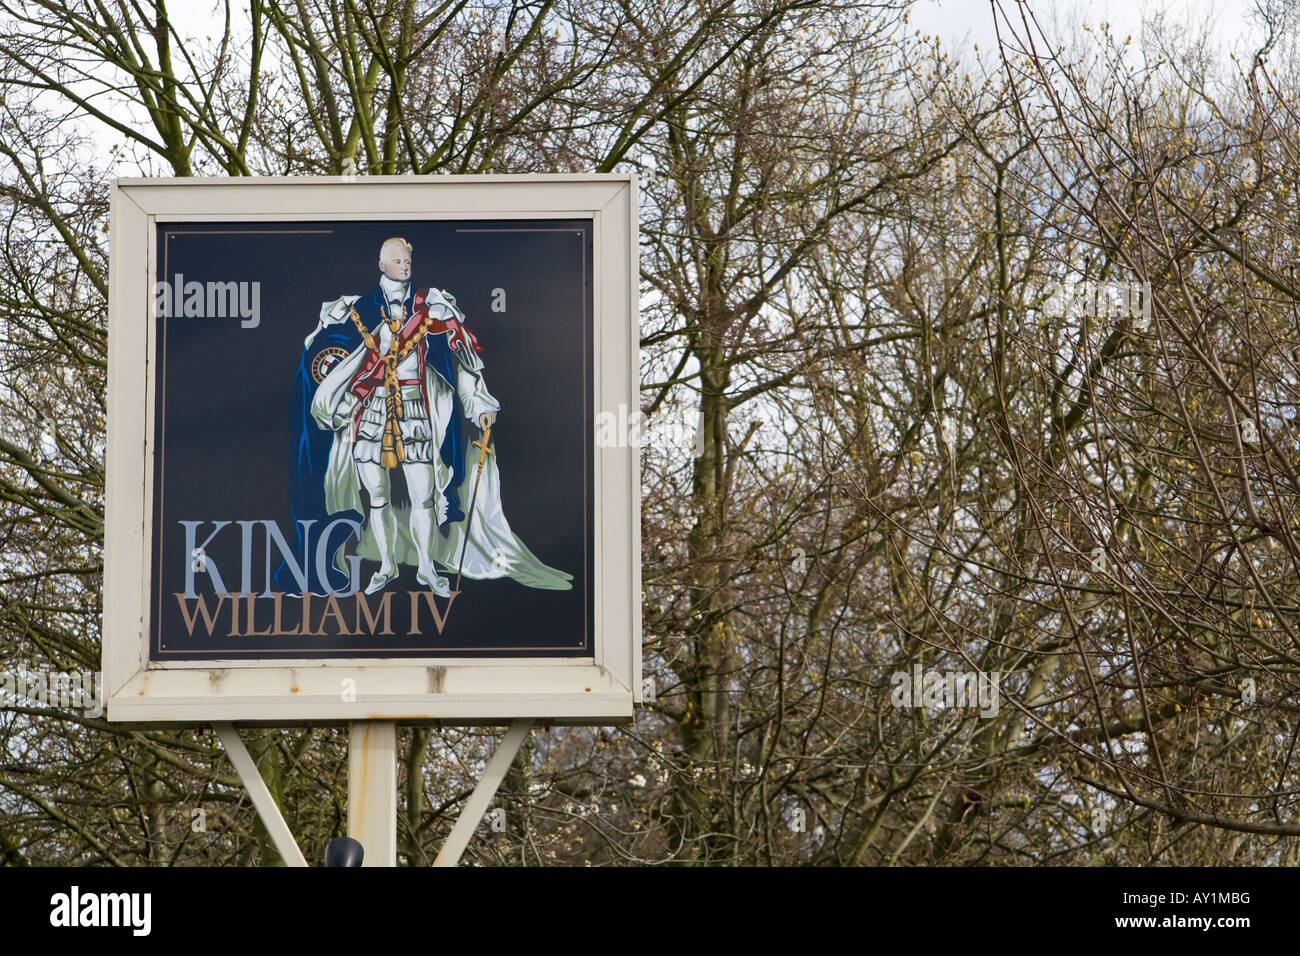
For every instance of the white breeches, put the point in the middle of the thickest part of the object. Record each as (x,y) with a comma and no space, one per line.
(421,485)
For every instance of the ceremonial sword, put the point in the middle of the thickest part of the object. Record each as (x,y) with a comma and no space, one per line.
(484,451)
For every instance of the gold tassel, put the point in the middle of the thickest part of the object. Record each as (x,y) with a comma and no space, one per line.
(392,451)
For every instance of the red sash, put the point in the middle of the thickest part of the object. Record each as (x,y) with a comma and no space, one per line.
(371,373)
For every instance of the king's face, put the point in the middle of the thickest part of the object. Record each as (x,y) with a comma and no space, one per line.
(395,262)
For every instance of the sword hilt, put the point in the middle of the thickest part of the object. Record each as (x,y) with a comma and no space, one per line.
(483,448)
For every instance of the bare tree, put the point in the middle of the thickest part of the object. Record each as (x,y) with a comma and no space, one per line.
(949,372)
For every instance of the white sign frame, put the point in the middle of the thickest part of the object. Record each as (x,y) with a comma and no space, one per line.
(586,690)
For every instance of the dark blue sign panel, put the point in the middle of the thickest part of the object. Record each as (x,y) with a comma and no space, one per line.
(373,439)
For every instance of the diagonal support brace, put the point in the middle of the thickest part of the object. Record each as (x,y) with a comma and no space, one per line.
(472,813)
(260,793)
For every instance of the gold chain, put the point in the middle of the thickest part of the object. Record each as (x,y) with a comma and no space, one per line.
(393,452)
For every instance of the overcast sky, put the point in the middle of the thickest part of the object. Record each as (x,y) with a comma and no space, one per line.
(959,22)
(956,22)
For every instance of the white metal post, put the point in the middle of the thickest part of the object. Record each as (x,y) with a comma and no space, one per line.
(372,789)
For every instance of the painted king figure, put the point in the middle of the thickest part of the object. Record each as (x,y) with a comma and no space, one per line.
(391,382)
